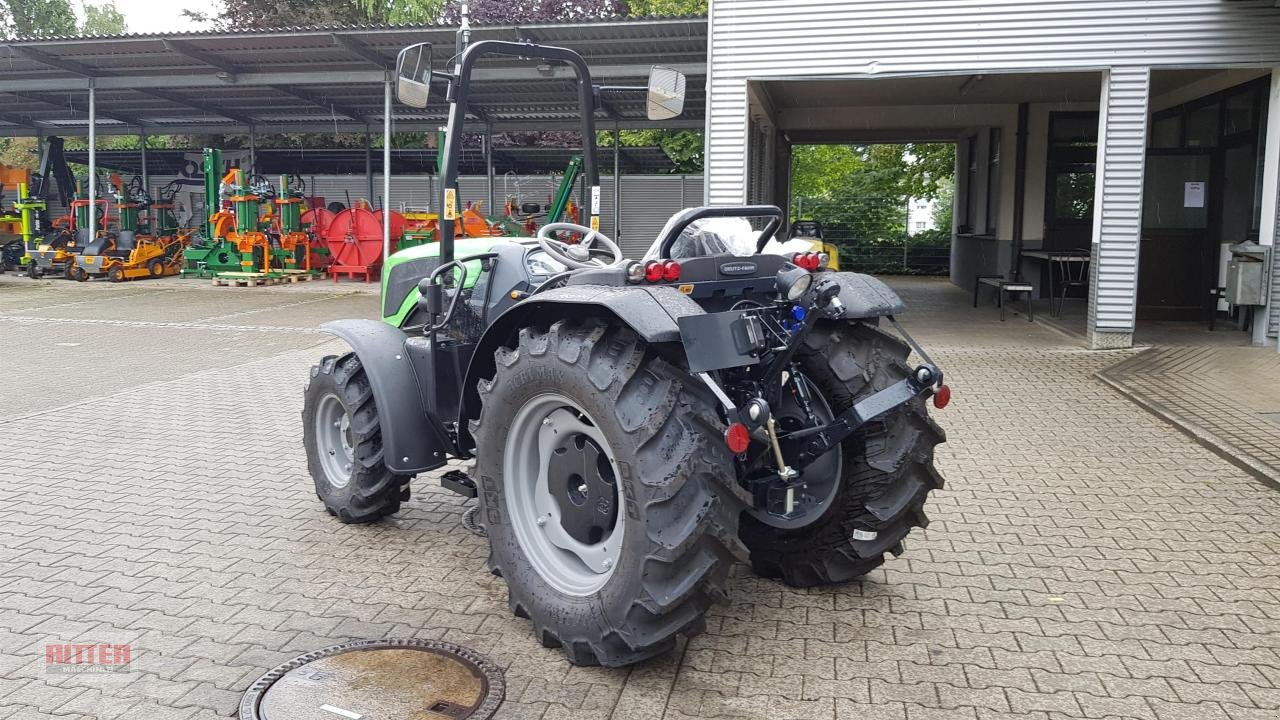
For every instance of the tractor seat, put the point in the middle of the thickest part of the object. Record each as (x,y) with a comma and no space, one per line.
(698,243)
(96,246)
(125,241)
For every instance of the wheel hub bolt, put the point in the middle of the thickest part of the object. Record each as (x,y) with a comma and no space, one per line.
(607,563)
(541,521)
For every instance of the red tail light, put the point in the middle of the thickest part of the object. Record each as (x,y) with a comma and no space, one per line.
(670,271)
(942,396)
(738,438)
(653,271)
(807,260)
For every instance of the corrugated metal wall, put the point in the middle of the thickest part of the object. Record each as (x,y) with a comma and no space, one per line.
(647,200)
(758,39)
(1117,215)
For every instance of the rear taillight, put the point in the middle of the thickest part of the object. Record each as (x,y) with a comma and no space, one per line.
(671,271)
(653,271)
(738,438)
(807,260)
(942,396)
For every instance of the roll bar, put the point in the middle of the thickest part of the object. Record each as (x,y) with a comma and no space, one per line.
(458,113)
(685,218)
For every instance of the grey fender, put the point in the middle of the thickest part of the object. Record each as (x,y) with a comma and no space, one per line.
(398,368)
(650,311)
(866,297)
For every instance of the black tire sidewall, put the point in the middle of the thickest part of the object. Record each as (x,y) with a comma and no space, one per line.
(535,376)
(322,385)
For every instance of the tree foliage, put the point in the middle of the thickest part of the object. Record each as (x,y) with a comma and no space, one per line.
(45,18)
(104,19)
(37,18)
(643,8)
(860,192)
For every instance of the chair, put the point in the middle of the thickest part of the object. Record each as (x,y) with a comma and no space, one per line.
(1072,273)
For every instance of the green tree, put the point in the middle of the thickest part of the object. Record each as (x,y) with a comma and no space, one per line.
(643,8)
(104,19)
(860,194)
(37,18)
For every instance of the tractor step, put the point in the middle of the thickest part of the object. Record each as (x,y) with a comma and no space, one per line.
(459,482)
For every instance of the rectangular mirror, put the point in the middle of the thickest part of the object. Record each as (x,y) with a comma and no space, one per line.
(666,93)
(413,75)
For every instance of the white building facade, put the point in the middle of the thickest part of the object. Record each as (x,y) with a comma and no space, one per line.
(1067,117)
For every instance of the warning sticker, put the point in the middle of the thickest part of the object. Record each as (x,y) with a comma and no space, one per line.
(595,199)
(451,203)
(595,223)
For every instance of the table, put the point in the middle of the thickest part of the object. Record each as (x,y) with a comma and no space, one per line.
(1049,256)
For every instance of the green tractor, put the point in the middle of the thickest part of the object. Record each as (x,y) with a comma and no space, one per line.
(635,426)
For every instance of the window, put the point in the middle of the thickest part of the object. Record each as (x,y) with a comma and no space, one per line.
(1073,196)
(1072,161)
(993,180)
(1202,126)
(920,224)
(971,185)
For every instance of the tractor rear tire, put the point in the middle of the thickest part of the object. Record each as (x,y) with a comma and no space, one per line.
(887,469)
(342,435)
(116,274)
(655,439)
(156,267)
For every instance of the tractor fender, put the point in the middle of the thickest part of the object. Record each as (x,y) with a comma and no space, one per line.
(650,311)
(413,439)
(866,297)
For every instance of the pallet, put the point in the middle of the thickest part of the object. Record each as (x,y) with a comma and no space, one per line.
(297,276)
(244,279)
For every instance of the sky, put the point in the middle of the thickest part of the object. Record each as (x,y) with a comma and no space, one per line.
(149,16)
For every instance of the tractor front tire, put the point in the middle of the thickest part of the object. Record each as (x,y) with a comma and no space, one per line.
(598,466)
(886,471)
(342,435)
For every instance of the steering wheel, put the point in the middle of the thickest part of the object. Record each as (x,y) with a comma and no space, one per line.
(577,256)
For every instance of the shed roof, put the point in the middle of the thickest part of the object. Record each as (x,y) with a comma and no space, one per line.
(341,161)
(327,79)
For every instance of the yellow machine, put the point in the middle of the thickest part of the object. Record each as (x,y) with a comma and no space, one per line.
(125,254)
(811,230)
(120,258)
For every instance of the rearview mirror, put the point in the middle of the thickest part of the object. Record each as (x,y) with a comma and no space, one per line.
(413,75)
(666,93)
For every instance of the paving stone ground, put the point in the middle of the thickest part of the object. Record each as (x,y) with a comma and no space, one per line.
(1086,560)
(1218,395)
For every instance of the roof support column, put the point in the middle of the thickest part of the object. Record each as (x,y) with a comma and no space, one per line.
(253,151)
(146,177)
(1269,224)
(488,167)
(368,161)
(93,161)
(617,185)
(386,168)
(1117,206)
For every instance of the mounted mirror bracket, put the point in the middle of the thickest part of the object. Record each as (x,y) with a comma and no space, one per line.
(665,98)
(413,75)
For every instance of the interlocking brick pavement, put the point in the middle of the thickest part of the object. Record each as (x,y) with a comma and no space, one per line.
(1218,395)
(1085,560)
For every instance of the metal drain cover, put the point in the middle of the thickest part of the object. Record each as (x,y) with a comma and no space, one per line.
(379,680)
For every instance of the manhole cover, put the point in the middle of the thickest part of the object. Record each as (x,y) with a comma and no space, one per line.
(379,680)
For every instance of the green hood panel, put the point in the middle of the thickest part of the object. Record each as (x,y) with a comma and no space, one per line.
(415,263)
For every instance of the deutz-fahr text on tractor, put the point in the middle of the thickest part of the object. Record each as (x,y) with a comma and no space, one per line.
(635,425)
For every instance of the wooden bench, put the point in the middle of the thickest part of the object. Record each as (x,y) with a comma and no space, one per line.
(1004,288)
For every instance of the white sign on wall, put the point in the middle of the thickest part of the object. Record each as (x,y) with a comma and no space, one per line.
(1193,195)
